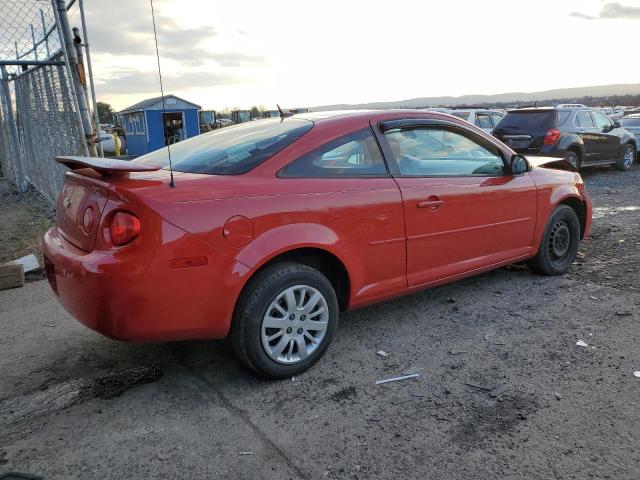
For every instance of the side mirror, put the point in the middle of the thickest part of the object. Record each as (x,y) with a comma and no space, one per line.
(518,164)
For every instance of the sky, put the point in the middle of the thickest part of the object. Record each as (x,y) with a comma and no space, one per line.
(240,53)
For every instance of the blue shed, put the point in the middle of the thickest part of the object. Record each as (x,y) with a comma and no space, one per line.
(148,128)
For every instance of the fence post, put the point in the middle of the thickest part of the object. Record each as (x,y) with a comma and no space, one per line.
(13,132)
(71,59)
(96,119)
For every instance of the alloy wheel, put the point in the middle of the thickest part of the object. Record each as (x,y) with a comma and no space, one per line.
(294,324)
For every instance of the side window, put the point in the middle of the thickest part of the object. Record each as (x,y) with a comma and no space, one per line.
(356,154)
(438,151)
(584,120)
(483,120)
(601,120)
(496,117)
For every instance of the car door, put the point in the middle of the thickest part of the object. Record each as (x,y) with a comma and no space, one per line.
(608,141)
(586,129)
(348,188)
(463,211)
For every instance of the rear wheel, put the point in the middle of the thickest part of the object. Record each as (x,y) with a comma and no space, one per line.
(627,157)
(573,159)
(559,244)
(285,320)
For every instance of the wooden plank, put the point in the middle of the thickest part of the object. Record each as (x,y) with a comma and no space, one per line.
(11,276)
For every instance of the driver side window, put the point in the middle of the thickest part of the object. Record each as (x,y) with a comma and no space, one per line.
(438,151)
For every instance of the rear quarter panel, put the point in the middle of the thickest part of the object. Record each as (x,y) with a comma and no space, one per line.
(359,221)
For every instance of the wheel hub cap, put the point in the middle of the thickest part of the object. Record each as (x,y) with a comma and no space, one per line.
(295,324)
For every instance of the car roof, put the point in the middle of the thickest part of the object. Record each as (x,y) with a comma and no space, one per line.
(331,116)
(315,116)
(462,109)
(532,109)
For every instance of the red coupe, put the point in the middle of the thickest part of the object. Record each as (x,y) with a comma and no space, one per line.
(275,226)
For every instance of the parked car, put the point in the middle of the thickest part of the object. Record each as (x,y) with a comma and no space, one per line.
(631,123)
(274,227)
(483,118)
(584,136)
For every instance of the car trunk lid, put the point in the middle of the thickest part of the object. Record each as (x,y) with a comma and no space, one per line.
(79,208)
(85,194)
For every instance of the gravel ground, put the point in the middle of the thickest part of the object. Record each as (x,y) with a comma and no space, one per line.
(503,390)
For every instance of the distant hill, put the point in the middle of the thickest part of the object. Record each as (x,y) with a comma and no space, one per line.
(623,89)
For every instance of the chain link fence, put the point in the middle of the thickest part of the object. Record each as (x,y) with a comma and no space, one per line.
(40,115)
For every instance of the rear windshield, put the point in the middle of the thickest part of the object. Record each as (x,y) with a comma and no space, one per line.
(528,120)
(630,122)
(232,150)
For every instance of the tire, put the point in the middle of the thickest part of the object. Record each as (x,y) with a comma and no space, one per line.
(627,157)
(559,245)
(264,312)
(573,159)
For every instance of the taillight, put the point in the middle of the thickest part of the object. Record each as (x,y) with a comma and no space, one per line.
(552,136)
(124,227)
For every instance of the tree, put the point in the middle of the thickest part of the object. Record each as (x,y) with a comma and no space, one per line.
(255,113)
(105,112)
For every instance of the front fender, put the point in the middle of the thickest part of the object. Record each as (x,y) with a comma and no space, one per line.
(549,197)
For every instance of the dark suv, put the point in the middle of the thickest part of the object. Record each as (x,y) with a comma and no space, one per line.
(582,135)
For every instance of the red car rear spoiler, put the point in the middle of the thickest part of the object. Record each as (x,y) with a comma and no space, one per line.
(107,167)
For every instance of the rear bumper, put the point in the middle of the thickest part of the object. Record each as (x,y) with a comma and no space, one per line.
(137,295)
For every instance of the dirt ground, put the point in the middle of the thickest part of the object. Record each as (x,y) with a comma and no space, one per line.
(24,219)
(503,390)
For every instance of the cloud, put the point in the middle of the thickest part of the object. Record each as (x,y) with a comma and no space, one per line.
(584,16)
(115,33)
(612,10)
(128,81)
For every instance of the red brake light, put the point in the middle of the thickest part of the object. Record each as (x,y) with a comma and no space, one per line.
(124,227)
(552,136)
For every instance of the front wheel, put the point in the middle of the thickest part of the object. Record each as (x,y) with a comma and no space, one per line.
(285,320)
(627,157)
(559,245)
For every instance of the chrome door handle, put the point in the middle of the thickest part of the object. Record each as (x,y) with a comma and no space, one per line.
(430,204)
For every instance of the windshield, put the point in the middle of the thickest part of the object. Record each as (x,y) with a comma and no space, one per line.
(528,120)
(231,150)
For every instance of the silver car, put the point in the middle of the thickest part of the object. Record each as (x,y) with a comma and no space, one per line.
(484,118)
(631,123)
